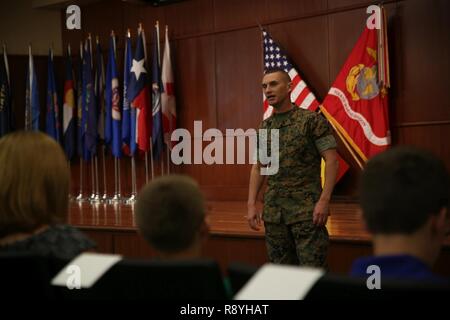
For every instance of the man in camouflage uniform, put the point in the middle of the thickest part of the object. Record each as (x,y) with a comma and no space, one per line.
(295,206)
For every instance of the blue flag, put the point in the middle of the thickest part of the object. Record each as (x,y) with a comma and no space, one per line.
(32,107)
(52,120)
(108,97)
(6,117)
(69,121)
(90,124)
(157,130)
(112,85)
(100,92)
(128,117)
(116,147)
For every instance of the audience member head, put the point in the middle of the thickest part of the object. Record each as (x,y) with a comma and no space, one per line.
(404,195)
(170,214)
(34,182)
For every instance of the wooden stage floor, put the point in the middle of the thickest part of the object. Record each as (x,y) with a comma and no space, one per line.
(230,238)
(224,217)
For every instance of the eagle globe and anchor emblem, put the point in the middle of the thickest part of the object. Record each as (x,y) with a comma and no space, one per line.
(361,81)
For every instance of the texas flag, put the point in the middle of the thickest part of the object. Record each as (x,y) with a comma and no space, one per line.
(139,95)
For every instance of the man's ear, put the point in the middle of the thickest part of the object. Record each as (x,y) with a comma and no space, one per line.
(444,221)
(440,223)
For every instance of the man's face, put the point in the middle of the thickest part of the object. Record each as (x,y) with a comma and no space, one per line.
(276,87)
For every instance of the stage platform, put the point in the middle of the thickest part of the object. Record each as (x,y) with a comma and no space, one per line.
(230,238)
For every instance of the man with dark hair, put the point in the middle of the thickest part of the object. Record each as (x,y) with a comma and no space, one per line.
(404,195)
(170,215)
(295,206)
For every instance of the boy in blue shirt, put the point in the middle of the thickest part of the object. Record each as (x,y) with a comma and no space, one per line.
(404,197)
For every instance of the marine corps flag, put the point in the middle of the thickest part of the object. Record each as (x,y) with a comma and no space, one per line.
(357,103)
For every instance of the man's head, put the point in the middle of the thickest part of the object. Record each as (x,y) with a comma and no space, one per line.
(170,214)
(405,191)
(276,86)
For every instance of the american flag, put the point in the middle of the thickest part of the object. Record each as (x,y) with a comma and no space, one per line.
(276,58)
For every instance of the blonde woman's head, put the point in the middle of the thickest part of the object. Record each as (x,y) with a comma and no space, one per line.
(34,182)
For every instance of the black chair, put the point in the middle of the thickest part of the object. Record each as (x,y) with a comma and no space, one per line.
(155,280)
(239,274)
(25,276)
(332,286)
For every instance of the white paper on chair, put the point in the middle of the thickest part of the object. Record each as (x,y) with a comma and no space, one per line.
(85,270)
(278,282)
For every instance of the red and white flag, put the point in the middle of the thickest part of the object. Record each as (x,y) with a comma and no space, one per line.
(168,95)
(357,103)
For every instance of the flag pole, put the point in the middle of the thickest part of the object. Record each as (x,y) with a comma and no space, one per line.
(5,58)
(28,116)
(144,44)
(161,157)
(119,195)
(132,199)
(105,193)
(146,163)
(97,180)
(151,159)
(80,198)
(92,197)
(71,196)
(346,144)
(168,160)
(104,151)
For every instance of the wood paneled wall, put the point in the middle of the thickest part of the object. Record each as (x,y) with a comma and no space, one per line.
(217,57)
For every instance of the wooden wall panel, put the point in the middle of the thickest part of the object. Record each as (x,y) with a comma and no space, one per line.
(97,20)
(239,94)
(422,61)
(340,4)
(190,17)
(133,14)
(344,30)
(289,9)
(433,137)
(100,20)
(305,41)
(237,13)
(104,240)
(195,82)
